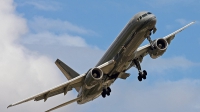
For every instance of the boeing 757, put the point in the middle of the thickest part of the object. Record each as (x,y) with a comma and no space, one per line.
(124,53)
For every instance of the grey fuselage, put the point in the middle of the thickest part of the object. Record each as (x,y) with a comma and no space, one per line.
(122,51)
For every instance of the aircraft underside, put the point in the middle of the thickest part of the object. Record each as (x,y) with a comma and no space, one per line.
(122,55)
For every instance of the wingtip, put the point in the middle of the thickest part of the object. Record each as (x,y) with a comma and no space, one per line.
(57,61)
(10,106)
(48,111)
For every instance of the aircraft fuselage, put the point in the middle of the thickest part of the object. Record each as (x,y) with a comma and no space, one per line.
(122,51)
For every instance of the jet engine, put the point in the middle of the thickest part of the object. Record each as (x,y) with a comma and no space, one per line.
(159,47)
(93,77)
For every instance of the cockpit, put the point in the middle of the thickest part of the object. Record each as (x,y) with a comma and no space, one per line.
(144,15)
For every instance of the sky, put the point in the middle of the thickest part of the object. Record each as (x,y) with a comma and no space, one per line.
(33,34)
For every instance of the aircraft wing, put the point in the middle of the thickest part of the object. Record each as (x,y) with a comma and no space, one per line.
(143,51)
(172,35)
(65,87)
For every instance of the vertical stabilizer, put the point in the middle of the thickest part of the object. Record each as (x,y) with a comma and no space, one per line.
(67,71)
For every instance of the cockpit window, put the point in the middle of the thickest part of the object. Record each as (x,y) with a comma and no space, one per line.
(148,13)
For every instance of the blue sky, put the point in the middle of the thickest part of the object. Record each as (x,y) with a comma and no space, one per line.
(35,33)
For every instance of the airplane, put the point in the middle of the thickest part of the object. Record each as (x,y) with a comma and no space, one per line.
(125,52)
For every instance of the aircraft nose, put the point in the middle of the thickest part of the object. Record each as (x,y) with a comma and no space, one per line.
(152,22)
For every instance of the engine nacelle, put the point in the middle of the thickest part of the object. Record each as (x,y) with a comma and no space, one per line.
(160,46)
(93,77)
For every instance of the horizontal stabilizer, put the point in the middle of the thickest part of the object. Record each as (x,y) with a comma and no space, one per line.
(61,105)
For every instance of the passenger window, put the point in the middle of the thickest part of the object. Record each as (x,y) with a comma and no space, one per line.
(139,18)
(144,15)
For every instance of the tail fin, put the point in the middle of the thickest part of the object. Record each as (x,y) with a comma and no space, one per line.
(67,71)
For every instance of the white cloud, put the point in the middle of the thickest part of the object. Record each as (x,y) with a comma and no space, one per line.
(161,65)
(183,21)
(44,5)
(182,95)
(46,32)
(22,73)
(163,96)
(41,24)
(47,38)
